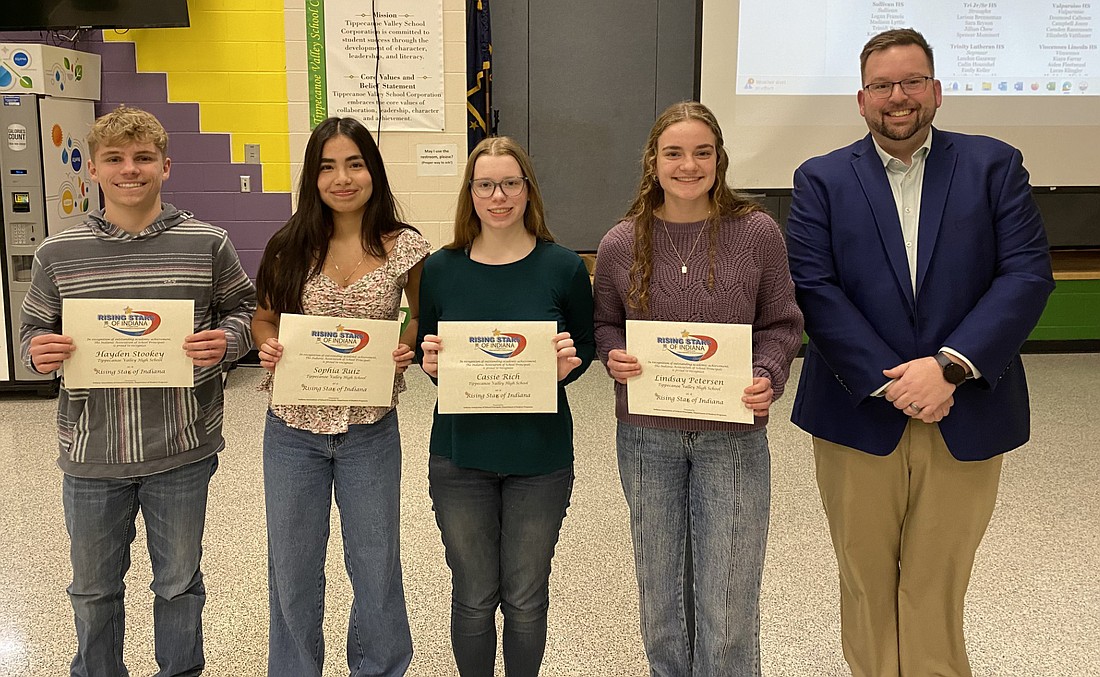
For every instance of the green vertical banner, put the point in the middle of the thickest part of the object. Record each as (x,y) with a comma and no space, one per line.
(315,56)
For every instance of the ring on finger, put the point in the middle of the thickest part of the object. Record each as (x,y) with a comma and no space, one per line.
(915,408)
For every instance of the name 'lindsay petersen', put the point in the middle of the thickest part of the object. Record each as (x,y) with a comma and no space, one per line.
(689,380)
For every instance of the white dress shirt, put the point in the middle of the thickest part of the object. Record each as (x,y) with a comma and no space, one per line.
(906,183)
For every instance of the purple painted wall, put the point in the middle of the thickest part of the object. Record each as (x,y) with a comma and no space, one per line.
(203,179)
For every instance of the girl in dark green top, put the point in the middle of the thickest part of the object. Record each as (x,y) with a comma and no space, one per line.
(500,483)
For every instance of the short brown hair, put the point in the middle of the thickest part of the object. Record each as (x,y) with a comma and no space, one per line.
(899,37)
(467,224)
(125,125)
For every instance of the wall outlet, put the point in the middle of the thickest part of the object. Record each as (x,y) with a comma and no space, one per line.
(246,183)
(252,153)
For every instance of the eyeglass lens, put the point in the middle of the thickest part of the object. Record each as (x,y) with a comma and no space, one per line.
(881,90)
(511,186)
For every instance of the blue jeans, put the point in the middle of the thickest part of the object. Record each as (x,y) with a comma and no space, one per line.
(301,470)
(723,480)
(499,532)
(99,516)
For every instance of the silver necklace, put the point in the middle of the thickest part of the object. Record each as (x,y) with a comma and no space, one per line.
(683,263)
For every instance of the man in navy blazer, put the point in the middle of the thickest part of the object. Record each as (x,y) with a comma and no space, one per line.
(921,266)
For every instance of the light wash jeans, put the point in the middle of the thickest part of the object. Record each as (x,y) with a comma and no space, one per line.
(301,471)
(724,481)
(499,533)
(100,515)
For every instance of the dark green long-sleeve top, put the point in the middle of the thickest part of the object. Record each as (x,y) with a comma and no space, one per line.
(550,283)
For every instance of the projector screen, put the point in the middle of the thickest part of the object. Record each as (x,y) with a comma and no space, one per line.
(782,79)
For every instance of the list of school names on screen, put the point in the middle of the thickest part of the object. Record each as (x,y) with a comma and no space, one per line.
(998,47)
(1044,46)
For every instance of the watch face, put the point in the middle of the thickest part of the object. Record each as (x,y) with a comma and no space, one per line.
(954,373)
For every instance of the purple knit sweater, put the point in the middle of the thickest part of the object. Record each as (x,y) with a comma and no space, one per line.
(752,286)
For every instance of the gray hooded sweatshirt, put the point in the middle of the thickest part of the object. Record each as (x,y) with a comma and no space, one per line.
(131,432)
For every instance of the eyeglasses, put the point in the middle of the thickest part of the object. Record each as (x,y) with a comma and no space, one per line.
(510,186)
(883,90)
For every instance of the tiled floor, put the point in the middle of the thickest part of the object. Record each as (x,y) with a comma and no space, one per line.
(1034,604)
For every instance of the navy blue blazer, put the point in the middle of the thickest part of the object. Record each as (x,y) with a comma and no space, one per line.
(983,278)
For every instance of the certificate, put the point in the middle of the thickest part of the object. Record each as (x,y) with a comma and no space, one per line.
(498,367)
(128,343)
(690,370)
(335,360)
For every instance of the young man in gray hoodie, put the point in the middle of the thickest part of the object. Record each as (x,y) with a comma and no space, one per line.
(129,449)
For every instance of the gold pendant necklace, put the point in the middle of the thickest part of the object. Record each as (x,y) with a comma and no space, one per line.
(683,263)
(348,276)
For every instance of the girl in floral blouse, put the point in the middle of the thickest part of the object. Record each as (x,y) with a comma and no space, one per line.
(344,253)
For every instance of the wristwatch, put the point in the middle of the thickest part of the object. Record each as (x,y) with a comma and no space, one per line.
(953,372)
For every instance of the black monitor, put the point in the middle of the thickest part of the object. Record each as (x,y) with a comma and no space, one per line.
(1071,216)
(69,14)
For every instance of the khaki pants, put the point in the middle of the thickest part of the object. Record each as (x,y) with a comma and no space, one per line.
(905,528)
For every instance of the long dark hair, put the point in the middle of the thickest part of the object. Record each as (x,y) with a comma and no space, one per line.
(725,203)
(298,250)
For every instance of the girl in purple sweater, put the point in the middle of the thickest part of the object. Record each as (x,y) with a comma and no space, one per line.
(692,250)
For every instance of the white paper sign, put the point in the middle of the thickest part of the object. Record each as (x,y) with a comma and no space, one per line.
(335,360)
(497,367)
(402,41)
(128,343)
(437,159)
(690,370)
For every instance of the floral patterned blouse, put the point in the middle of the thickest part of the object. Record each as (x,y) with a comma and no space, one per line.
(375,296)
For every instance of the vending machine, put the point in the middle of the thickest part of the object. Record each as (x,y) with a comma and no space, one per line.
(46,110)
